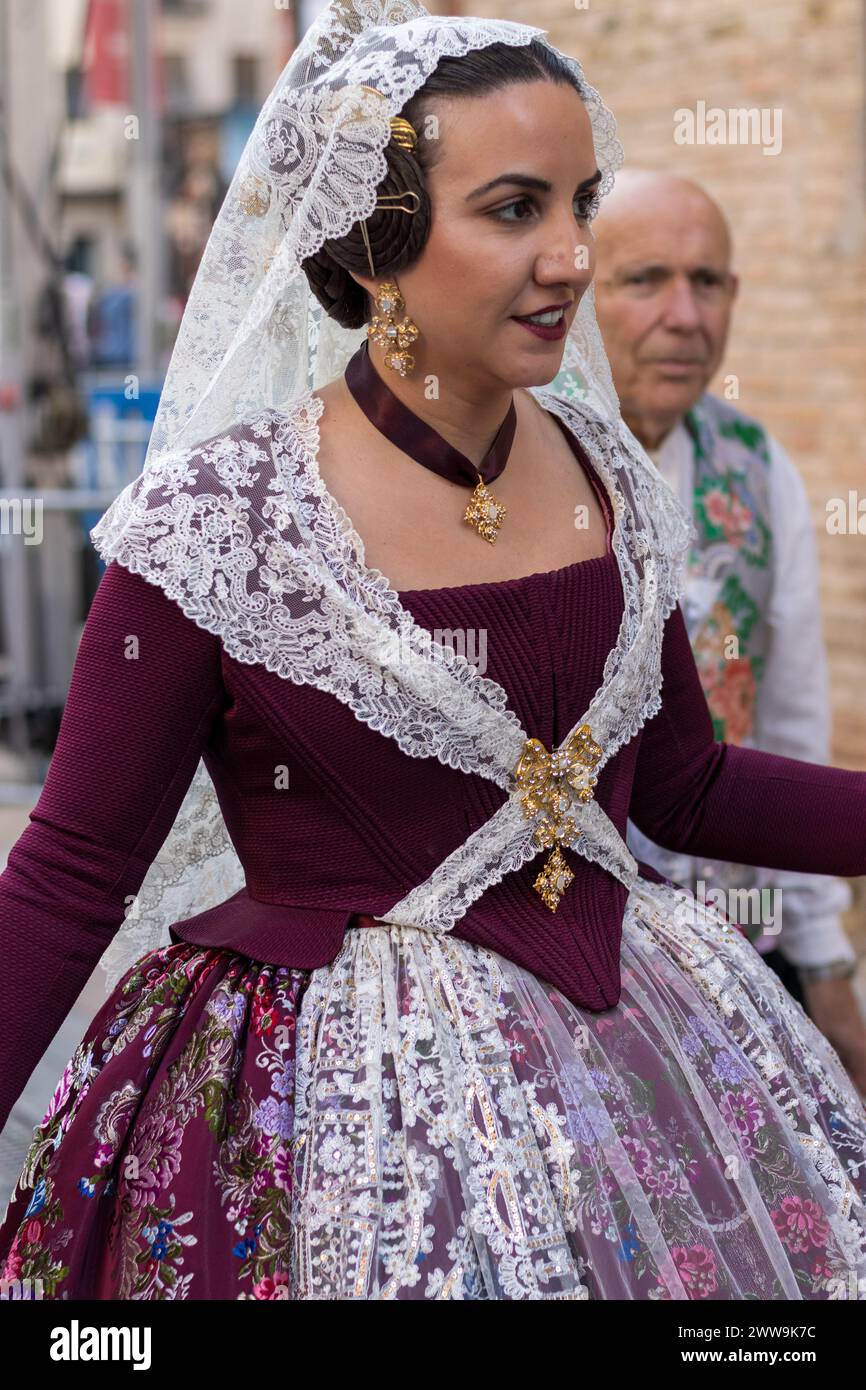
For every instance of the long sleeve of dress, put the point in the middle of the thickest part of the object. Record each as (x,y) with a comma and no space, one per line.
(694,795)
(145,688)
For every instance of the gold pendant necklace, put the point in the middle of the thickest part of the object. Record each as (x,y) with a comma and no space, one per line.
(411,434)
(485,512)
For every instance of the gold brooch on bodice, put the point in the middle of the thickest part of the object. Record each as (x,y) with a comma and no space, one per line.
(542,778)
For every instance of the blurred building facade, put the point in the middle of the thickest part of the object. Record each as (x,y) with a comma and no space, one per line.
(216,61)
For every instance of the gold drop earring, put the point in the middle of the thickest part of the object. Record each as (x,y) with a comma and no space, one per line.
(386,332)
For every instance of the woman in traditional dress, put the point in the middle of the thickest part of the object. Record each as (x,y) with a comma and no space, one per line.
(398,1014)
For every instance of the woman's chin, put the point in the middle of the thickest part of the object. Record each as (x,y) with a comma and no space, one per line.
(535,368)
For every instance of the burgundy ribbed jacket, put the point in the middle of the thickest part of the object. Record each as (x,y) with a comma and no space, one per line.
(361,823)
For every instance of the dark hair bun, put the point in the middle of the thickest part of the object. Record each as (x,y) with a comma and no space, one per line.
(396,239)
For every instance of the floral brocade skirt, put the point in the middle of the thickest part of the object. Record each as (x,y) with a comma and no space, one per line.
(423,1119)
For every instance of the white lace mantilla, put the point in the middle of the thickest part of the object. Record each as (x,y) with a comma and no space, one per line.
(243,534)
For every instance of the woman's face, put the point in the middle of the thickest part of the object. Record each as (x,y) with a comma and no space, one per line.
(510,250)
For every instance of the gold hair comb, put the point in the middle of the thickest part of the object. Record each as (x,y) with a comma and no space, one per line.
(403,133)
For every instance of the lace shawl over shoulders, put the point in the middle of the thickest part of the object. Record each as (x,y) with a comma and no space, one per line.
(241,531)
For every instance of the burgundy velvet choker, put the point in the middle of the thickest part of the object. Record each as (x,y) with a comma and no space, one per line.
(424,444)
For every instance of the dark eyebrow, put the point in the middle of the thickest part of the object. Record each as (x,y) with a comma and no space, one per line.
(528,181)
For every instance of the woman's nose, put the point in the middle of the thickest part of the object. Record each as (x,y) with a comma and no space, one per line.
(567,255)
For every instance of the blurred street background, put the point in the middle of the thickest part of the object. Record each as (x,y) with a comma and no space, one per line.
(121,122)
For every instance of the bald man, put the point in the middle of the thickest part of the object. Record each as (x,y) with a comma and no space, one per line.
(665,291)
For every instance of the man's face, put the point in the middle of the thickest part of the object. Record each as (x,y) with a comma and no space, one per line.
(664,293)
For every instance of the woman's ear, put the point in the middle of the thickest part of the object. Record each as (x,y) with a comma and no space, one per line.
(371,286)
(366,283)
